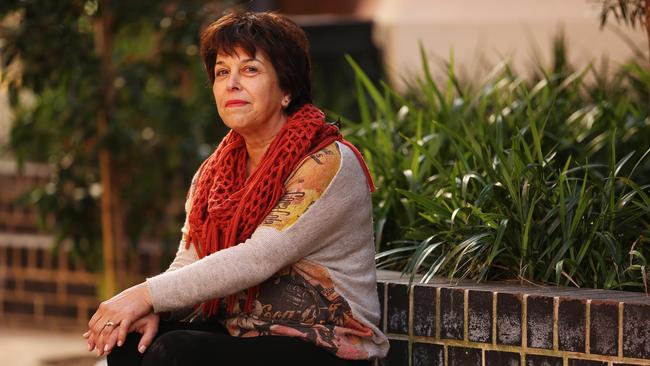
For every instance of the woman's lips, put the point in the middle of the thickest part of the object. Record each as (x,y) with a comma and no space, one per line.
(236,103)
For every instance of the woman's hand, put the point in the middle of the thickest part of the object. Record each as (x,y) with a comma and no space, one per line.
(147,326)
(114,317)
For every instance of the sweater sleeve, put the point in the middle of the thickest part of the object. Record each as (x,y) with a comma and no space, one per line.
(294,229)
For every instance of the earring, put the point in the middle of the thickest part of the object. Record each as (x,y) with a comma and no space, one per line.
(285,102)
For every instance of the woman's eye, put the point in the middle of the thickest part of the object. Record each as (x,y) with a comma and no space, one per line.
(221,72)
(250,69)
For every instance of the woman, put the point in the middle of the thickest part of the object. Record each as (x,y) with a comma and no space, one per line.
(276,261)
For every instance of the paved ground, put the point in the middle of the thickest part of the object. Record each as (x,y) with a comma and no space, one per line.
(26,347)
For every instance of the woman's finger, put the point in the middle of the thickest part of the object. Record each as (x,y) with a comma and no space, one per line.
(99,344)
(92,337)
(150,330)
(101,341)
(104,335)
(96,329)
(91,346)
(122,331)
(110,341)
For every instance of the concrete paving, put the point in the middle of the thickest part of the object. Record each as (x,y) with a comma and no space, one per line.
(28,347)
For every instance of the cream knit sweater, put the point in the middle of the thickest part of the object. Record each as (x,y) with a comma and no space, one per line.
(313,257)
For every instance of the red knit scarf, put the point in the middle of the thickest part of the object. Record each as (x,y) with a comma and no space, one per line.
(227,207)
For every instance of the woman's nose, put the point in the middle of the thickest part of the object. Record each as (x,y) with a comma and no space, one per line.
(233,81)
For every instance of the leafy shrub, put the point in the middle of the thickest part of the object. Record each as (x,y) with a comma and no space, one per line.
(544,181)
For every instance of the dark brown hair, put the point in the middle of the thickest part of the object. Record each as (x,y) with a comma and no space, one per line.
(284,43)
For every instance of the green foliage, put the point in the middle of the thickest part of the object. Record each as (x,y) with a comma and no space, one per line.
(162,121)
(545,180)
(629,12)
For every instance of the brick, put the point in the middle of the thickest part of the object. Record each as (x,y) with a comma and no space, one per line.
(10,257)
(397,354)
(479,317)
(509,319)
(380,294)
(40,286)
(539,321)
(424,311)
(397,315)
(571,325)
(17,307)
(537,360)
(603,328)
(67,311)
(56,260)
(578,362)
(23,257)
(81,289)
(40,258)
(499,358)
(425,354)
(452,310)
(9,283)
(47,258)
(461,356)
(636,331)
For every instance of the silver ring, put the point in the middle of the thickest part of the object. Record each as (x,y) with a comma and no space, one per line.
(109,324)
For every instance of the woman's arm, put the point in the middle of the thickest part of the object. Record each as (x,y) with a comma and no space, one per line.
(305,219)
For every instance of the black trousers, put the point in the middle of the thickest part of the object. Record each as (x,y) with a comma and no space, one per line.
(197,344)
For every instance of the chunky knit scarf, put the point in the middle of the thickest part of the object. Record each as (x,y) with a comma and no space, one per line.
(227,207)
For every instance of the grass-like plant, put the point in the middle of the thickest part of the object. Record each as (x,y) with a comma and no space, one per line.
(544,180)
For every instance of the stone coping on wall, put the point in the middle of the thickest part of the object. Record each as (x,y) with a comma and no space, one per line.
(494,324)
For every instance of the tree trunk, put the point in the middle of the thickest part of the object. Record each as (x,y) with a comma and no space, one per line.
(103,47)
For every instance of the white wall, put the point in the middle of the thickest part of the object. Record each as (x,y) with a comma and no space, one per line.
(483,32)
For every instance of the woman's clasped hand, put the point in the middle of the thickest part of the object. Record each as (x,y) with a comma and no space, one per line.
(129,311)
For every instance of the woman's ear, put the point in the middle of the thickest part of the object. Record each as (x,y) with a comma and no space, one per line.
(285,101)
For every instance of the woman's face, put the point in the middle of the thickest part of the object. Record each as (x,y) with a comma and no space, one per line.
(247,93)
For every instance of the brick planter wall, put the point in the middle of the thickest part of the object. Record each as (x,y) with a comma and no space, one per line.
(473,324)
